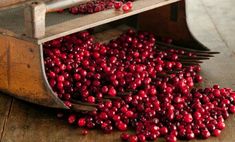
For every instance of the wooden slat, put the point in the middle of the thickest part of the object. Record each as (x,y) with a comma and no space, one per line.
(4,63)
(29,123)
(7,3)
(5,105)
(21,72)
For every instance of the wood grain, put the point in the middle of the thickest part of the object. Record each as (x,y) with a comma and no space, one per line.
(6,3)
(3,63)
(5,107)
(22,72)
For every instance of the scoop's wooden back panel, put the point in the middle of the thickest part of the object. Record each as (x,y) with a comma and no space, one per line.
(22,72)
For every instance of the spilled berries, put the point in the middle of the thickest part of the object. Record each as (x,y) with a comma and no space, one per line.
(154,89)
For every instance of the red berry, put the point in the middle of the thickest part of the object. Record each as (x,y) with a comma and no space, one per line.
(71,119)
(129,4)
(216,132)
(163,131)
(74,10)
(112,92)
(125,136)
(103,116)
(188,118)
(118,4)
(122,126)
(68,104)
(81,122)
(125,8)
(133,138)
(220,125)
(141,138)
(91,99)
(171,138)
(205,134)
(232,109)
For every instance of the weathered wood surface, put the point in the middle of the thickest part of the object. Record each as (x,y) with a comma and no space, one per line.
(7,3)
(21,72)
(26,122)
(5,108)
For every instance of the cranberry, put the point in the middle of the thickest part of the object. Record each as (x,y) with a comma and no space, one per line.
(125,136)
(163,131)
(81,122)
(190,135)
(216,132)
(171,138)
(129,114)
(198,78)
(103,116)
(73,10)
(122,126)
(188,118)
(118,4)
(91,99)
(205,134)
(126,8)
(68,104)
(133,138)
(112,91)
(129,4)
(232,109)
(141,138)
(71,119)
(220,125)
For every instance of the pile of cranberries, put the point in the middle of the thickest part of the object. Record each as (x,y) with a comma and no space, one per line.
(153,90)
(100,5)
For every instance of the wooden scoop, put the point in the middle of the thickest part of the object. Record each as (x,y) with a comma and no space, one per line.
(22,71)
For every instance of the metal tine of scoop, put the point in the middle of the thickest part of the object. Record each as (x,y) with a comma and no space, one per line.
(203,54)
(199,56)
(81,107)
(173,72)
(163,75)
(112,98)
(82,103)
(185,49)
(189,61)
(192,57)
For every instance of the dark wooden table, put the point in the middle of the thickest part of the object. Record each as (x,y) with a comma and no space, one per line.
(212,22)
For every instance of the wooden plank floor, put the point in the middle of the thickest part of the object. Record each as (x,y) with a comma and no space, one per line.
(211,21)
